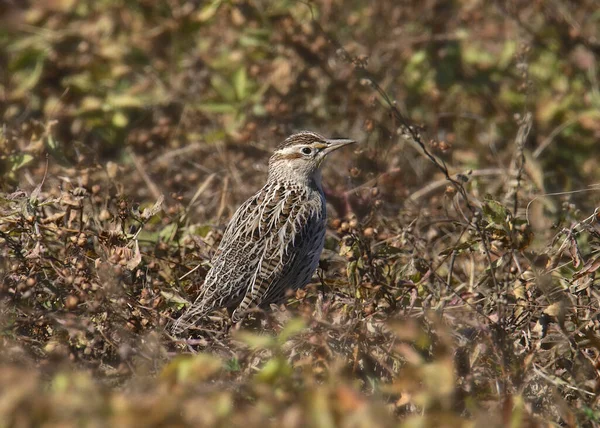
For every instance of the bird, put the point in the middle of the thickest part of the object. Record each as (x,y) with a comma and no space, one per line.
(274,240)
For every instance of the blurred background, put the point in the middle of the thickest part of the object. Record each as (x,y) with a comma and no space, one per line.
(176,82)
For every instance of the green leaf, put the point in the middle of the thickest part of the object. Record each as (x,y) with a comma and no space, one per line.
(216,108)
(495,212)
(82,81)
(19,160)
(292,328)
(60,383)
(240,83)
(352,272)
(259,110)
(208,11)
(30,78)
(187,369)
(256,341)
(233,365)
(223,88)
(467,245)
(202,230)
(124,101)
(166,234)
(274,369)
(120,120)
(507,54)
(388,250)
(57,151)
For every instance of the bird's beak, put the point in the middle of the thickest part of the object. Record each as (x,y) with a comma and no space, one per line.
(336,143)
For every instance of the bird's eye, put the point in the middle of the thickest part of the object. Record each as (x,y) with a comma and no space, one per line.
(306,150)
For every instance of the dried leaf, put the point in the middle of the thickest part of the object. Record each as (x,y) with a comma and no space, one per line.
(173,297)
(149,212)
(555,309)
(574,251)
(136,259)
(591,266)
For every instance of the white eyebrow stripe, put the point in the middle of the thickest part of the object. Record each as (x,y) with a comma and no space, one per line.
(293,149)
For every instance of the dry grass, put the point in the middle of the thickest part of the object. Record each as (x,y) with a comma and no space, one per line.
(458,286)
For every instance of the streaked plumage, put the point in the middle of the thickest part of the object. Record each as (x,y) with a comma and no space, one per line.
(274,240)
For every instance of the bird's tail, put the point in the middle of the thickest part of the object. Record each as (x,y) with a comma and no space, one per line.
(192,314)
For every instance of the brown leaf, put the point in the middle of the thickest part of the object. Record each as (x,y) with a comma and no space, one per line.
(149,212)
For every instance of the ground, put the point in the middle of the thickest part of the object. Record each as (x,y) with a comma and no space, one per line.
(458,284)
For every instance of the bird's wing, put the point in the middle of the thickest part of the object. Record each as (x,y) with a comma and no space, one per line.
(287,225)
(255,250)
(226,281)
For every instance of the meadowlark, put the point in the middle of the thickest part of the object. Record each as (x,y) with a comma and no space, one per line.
(274,240)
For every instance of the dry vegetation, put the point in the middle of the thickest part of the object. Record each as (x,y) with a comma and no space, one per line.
(458,286)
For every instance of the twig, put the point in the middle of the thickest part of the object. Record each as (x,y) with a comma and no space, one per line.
(412,134)
(559,381)
(594,188)
(522,134)
(223,201)
(141,170)
(199,192)
(544,144)
(435,185)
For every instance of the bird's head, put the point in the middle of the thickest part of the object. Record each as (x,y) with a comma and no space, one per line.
(300,156)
